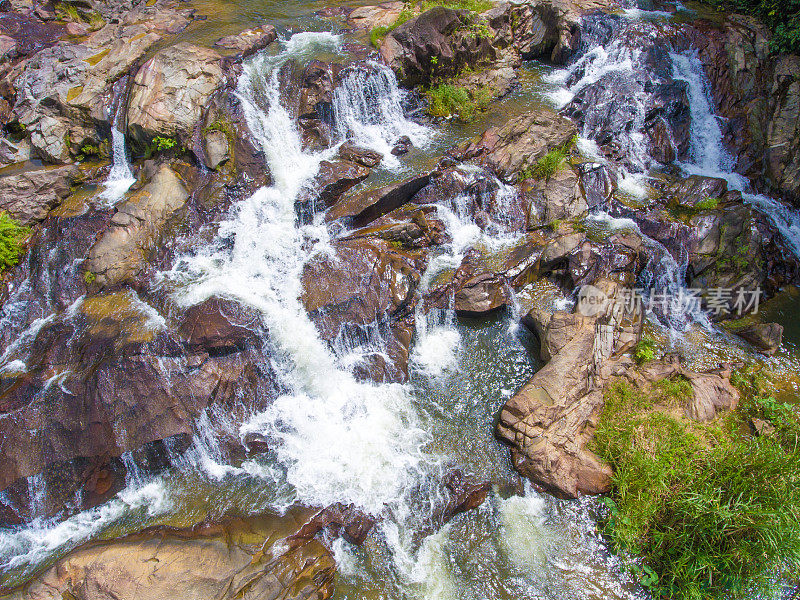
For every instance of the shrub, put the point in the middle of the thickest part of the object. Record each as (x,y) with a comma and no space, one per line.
(645,350)
(12,236)
(712,513)
(547,166)
(447,100)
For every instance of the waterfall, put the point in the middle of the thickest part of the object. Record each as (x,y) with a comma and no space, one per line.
(607,56)
(368,109)
(120,177)
(711,158)
(338,440)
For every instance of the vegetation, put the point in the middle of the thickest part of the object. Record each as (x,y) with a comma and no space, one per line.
(12,237)
(783,18)
(448,100)
(712,510)
(547,166)
(707,204)
(160,144)
(89,277)
(413,8)
(645,350)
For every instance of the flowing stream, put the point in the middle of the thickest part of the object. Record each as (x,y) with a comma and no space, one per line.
(386,447)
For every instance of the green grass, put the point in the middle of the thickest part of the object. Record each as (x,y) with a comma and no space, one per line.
(448,100)
(547,166)
(711,511)
(12,237)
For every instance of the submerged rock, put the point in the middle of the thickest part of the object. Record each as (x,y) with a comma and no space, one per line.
(765,337)
(249,41)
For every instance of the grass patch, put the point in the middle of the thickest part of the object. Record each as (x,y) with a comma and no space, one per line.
(448,100)
(12,237)
(712,512)
(547,166)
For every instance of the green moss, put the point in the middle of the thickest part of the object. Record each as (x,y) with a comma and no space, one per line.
(448,100)
(708,204)
(89,277)
(711,511)
(547,166)
(12,237)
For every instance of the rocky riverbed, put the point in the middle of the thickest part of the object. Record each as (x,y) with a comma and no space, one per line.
(279,332)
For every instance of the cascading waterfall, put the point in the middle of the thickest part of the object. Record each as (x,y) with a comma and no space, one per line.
(120,177)
(606,55)
(712,159)
(339,440)
(367,108)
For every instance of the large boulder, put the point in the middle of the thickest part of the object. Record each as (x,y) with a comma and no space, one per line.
(364,207)
(170,91)
(249,41)
(520,143)
(442,34)
(28,196)
(363,292)
(237,560)
(122,250)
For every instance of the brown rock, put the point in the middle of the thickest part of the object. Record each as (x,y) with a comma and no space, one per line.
(249,41)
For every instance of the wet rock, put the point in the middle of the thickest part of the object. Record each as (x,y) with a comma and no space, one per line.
(402,146)
(30,195)
(766,337)
(558,197)
(481,294)
(364,207)
(598,183)
(361,296)
(332,180)
(339,520)
(249,41)
(217,149)
(170,91)
(362,156)
(238,559)
(62,92)
(218,323)
(521,142)
(757,93)
(465,493)
(122,250)
(550,422)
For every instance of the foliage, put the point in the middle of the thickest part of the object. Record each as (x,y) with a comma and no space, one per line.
(712,512)
(89,277)
(546,166)
(783,18)
(645,349)
(12,236)
(447,100)
(160,144)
